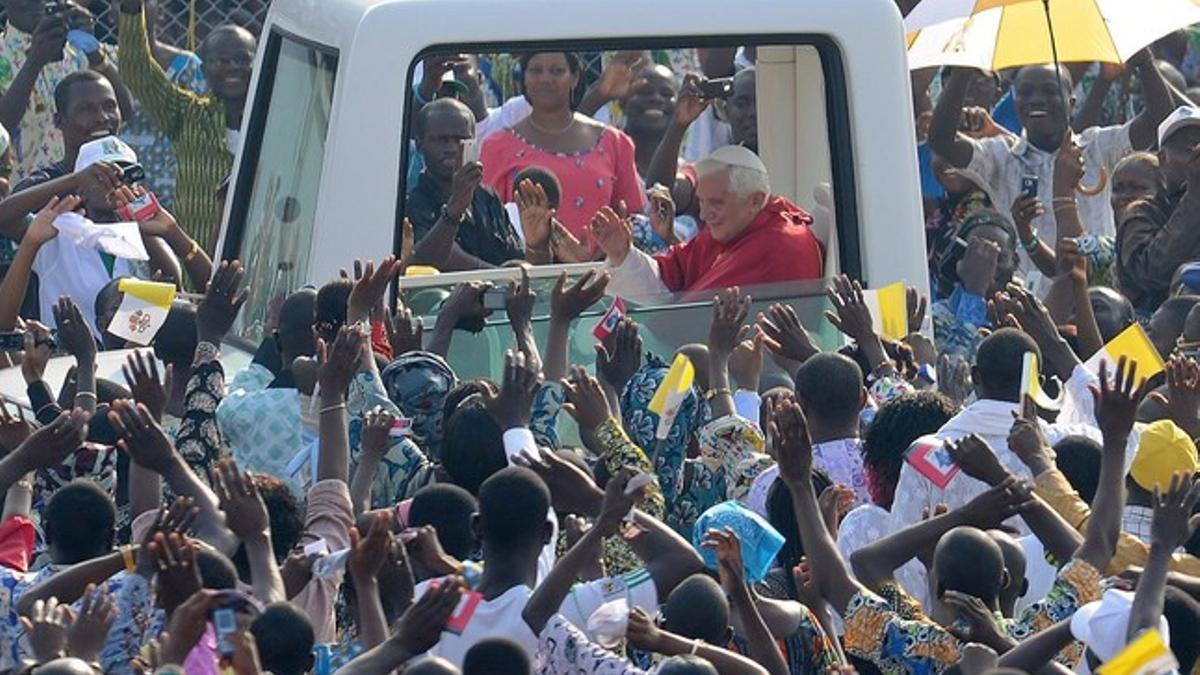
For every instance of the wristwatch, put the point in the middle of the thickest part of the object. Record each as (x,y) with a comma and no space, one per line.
(449,217)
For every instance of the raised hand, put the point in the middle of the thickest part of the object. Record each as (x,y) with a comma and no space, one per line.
(1183,393)
(74,334)
(730,309)
(689,104)
(178,575)
(1117,401)
(1174,521)
(339,364)
(619,79)
(370,285)
(141,373)
(662,213)
(536,214)
(177,518)
(916,303)
(977,269)
(39,347)
(728,547)
(376,433)
(405,331)
(1006,499)
(567,248)
(519,302)
(368,554)
(141,437)
(46,627)
(245,512)
(51,444)
(746,361)
(514,406)
(785,335)
(462,189)
(568,302)
(14,429)
(982,626)
(586,401)
(41,229)
(835,502)
(642,632)
(222,302)
(420,627)
(851,314)
(619,359)
(977,459)
(89,630)
(1027,441)
(613,234)
(788,430)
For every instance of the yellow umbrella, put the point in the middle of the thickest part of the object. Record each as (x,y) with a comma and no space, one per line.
(1000,34)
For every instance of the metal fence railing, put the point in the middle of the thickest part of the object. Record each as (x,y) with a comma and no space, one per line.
(184,23)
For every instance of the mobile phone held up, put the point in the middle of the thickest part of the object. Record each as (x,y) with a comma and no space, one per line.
(495,298)
(12,341)
(720,88)
(1029,186)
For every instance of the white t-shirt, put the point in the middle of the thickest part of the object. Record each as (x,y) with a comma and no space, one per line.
(79,273)
(501,617)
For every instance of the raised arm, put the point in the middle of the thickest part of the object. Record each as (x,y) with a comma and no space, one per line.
(665,163)
(75,335)
(337,370)
(16,279)
(793,451)
(567,303)
(167,103)
(464,304)
(730,310)
(1143,130)
(1172,526)
(944,137)
(367,556)
(980,462)
(762,647)
(553,590)
(645,635)
(1116,408)
(49,38)
(518,305)
(246,515)
(876,563)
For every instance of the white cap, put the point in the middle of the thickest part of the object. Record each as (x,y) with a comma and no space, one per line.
(1184,116)
(1101,625)
(107,149)
(728,156)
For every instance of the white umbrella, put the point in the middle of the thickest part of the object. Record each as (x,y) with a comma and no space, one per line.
(1026,32)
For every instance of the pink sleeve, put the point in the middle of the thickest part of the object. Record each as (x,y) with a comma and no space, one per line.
(330,517)
(628,187)
(497,174)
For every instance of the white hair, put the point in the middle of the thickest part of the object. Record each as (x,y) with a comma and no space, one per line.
(743,181)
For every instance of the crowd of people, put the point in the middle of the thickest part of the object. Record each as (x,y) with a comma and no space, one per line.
(349,503)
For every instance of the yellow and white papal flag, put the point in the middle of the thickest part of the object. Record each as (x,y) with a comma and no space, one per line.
(143,311)
(1134,345)
(889,310)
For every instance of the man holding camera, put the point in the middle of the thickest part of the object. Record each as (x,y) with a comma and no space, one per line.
(100,169)
(43,43)
(457,223)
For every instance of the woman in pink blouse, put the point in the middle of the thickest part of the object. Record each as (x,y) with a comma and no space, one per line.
(594,162)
